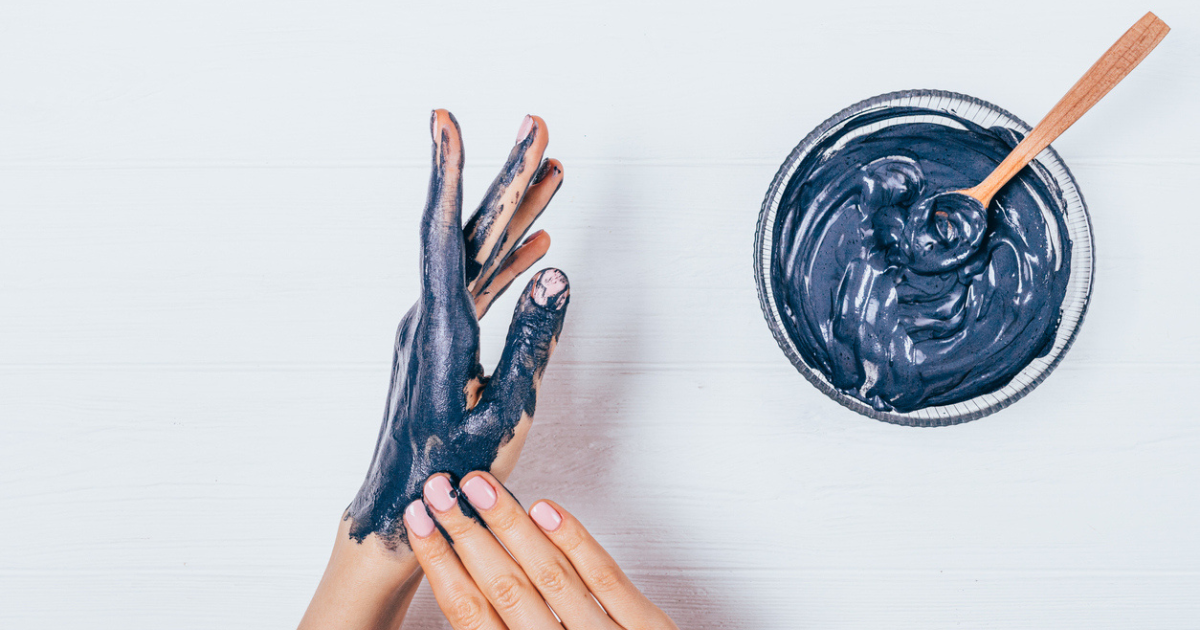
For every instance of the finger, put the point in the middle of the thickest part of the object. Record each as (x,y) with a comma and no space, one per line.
(536,324)
(542,562)
(441,227)
(545,184)
(486,227)
(493,570)
(603,577)
(515,264)
(457,595)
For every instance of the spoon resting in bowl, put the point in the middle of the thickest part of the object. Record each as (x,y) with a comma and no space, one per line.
(953,221)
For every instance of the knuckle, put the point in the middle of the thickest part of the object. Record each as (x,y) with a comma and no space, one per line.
(467,611)
(606,576)
(570,540)
(503,520)
(507,591)
(439,558)
(551,577)
(459,526)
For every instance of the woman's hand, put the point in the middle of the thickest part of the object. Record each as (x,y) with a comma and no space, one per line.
(514,572)
(443,414)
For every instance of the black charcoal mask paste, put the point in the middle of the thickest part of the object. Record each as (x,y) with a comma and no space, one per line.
(903,304)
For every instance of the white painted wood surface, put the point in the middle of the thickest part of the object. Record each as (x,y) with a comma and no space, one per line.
(208,232)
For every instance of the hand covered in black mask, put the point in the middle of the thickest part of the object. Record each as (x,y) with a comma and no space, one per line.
(443,414)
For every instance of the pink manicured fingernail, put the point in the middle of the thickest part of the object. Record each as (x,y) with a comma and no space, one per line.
(417,519)
(440,493)
(526,127)
(545,516)
(480,493)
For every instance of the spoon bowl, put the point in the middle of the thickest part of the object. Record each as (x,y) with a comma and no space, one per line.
(943,231)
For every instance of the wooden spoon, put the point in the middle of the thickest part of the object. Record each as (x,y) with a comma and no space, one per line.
(1106,73)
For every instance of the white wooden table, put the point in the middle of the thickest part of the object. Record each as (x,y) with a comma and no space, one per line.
(208,219)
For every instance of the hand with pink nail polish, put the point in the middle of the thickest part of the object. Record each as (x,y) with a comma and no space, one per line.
(443,414)
(535,571)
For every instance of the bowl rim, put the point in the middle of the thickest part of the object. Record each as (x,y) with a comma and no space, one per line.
(1080,282)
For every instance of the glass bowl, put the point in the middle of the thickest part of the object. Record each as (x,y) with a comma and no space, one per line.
(1079,229)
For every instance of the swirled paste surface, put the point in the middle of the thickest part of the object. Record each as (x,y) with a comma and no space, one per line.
(905,303)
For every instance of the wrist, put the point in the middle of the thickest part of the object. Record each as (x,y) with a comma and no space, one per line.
(379,563)
(366,584)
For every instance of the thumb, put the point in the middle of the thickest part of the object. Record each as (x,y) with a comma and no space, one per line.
(532,336)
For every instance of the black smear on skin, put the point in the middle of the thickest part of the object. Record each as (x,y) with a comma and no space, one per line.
(481,223)
(486,283)
(427,427)
(889,313)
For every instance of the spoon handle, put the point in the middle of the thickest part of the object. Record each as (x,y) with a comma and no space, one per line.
(1108,71)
